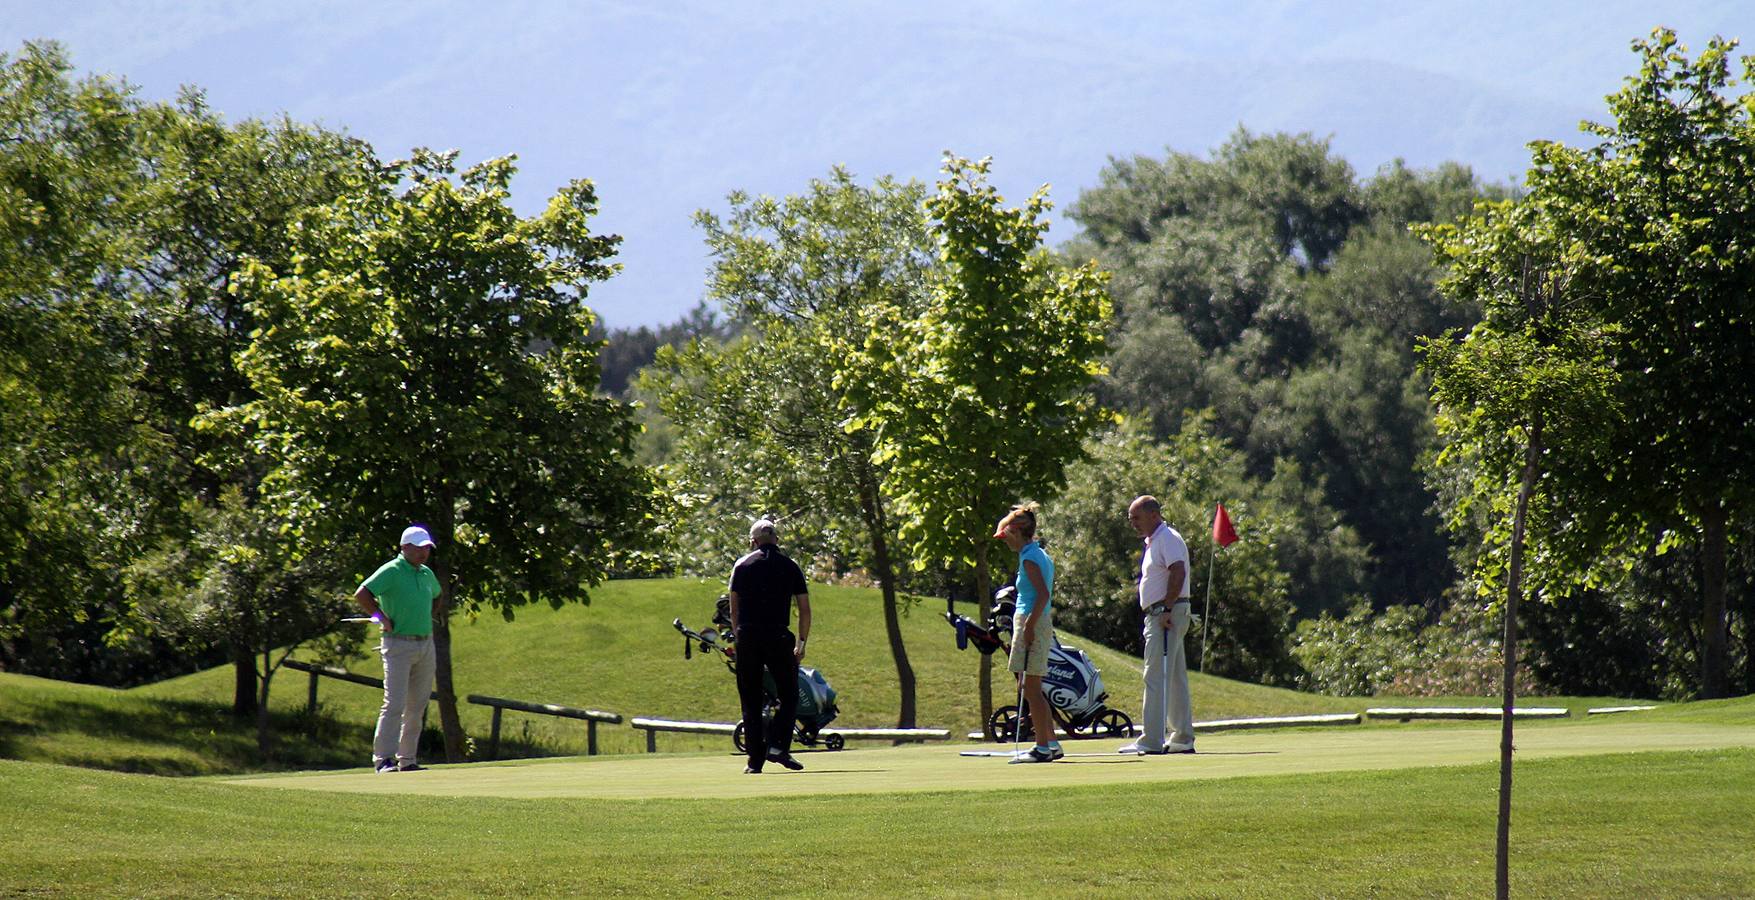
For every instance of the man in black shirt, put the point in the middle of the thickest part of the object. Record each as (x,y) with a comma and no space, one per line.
(763,586)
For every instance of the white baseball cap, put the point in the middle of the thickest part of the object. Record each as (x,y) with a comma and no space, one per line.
(416,535)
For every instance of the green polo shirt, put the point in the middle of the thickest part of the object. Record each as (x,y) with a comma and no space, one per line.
(406,594)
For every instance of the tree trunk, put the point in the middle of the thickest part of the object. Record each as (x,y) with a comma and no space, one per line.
(984,602)
(263,737)
(243,682)
(1714,671)
(442,684)
(450,724)
(1748,641)
(873,508)
(1514,588)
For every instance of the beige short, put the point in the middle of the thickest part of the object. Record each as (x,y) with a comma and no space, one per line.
(1034,660)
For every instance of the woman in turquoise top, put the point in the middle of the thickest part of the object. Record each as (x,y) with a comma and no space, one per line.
(1033,627)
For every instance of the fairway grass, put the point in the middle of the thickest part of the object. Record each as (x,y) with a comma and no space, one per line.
(1671,824)
(1089,763)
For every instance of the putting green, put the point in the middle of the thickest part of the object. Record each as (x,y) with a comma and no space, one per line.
(940,767)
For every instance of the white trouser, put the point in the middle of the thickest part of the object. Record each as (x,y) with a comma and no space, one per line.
(408,683)
(1167,681)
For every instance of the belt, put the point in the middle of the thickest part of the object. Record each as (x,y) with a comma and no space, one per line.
(409,637)
(1159,608)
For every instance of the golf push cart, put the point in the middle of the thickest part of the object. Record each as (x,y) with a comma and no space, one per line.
(816,699)
(1073,684)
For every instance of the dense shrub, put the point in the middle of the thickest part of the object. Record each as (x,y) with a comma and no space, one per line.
(1400,652)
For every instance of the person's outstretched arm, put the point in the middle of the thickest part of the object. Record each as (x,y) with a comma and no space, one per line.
(803,625)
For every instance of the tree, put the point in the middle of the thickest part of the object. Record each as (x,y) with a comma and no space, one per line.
(426,358)
(220,195)
(69,418)
(241,585)
(628,350)
(1263,283)
(125,223)
(983,398)
(1526,400)
(769,411)
(1649,229)
(1660,210)
(1096,553)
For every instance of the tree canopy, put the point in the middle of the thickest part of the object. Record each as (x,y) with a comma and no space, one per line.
(426,359)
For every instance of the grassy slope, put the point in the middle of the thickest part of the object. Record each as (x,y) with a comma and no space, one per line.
(1652,824)
(134,731)
(620,654)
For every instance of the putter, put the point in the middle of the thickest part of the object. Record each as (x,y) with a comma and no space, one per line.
(1018,727)
(1169,732)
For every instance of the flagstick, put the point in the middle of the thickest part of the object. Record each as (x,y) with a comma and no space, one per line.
(1206,621)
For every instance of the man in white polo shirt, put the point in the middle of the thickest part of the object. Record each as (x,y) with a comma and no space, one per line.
(1164,604)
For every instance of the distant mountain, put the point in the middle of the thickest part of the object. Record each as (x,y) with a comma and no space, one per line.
(668,106)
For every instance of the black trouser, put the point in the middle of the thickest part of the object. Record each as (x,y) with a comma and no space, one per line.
(760,651)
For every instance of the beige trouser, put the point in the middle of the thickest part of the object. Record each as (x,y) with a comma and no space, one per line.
(1167,681)
(408,683)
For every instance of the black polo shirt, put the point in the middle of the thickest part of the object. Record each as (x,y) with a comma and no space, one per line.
(765,582)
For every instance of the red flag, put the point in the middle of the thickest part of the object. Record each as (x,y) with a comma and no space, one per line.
(1223,534)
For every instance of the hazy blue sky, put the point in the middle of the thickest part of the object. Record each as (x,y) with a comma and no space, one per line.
(668,106)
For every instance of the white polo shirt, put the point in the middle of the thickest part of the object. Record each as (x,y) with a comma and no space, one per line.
(1164,549)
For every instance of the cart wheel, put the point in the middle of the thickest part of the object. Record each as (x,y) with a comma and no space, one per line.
(737,737)
(834,742)
(1113,722)
(1002,725)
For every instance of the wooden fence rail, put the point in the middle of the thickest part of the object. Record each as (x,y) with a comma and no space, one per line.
(590,716)
(317,672)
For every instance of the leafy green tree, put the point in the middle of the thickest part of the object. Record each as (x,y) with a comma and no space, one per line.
(220,195)
(238,583)
(426,358)
(1265,282)
(982,399)
(1526,402)
(130,219)
(1648,226)
(1660,209)
(1360,423)
(1097,553)
(68,417)
(769,412)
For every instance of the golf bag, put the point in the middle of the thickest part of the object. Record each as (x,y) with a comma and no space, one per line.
(816,698)
(1074,685)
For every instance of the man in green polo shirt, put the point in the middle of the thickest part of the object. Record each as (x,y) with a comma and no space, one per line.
(400,598)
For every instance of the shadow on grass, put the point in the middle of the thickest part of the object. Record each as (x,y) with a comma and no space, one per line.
(178,737)
(158,736)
